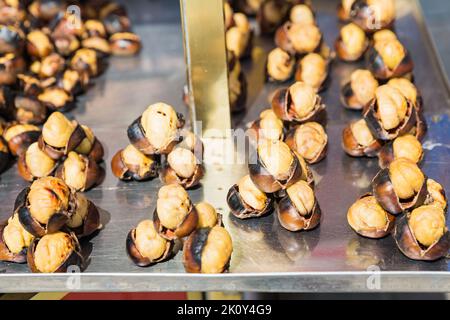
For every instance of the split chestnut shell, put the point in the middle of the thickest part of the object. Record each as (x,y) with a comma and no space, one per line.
(132,171)
(169,176)
(19,137)
(6,254)
(355,149)
(74,141)
(380,70)
(240,209)
(182,230)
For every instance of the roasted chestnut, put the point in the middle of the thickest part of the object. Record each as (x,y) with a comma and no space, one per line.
(29,110)
(73,81)
(272,14)
(51,65)
(60,136)
(90,146)
(389,114)
(175,215)
(373,15)
(388,59)
(275,166)
(302,13)
(10,66)
(422,234)
(4,155)
(182,168)
(146,247)
(80,172)
(20,136)
(358,141)
(39,44)
(57,99)
(35,163)
(54,253)
(94,28)
(268,126)
(384,35)
(344,10)
(406,146)
(84,217)
(360,90)
(436,194)
(43,207)
(299,209)
(125,44)
(89,60)
(367,218)
(239,36)
(11,39)
(131,164)
(65,44)
(11,12)
(156,131)
(351,43)
(309,140)
(45,10)
(207,216)
(245,200)
(207,250)
(313,70)
(400,187)
(280,65)
(299,103)
(409,90)
(237,84)
(298,38)
(14,241)
(97,43)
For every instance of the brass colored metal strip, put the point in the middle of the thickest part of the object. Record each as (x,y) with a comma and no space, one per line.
(205,54)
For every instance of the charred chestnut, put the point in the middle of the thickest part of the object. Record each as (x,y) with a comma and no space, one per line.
(125,44)
(14,241)
(298,38)
(422,234)
(406,146)
(10,66)
(245,200)
(367,218)
(373,15)
(20,136)
(57,99)
(156,131)
(207,216)
(80,172)
(358,141)
(360,90)
(275,168)
(131,164)
(400,187)
(89,60)
(389,114)
(182,168)
(54,253)
(352,43)
(388,59)
(313,70)
(39,44)
(98,44)
(299,209)
(60,136)
(344,10)
(207,250)
(268,126)
(299,103)
(280,65)
(35,163)
(146,247)
(175,215)
(436,194)
(43,207)
(309,140)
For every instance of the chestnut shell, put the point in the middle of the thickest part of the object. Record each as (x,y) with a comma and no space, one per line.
(269,27)
(74,259)
(291,220)
(127,172)
(240,209)
(376,65)
(5,254)
(344,55)
(90,224)
(348,98)
(362,15)
(410,247)
(138,259)
(184,229)
(31,105)
(384,192)
(354,149)
(282,40)
(282,101)
(23,170)
(19,144)
(57,153)
(169,176)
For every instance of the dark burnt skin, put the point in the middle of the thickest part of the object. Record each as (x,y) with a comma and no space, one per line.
(193,248)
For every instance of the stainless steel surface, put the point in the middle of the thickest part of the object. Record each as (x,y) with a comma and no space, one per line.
(266,258)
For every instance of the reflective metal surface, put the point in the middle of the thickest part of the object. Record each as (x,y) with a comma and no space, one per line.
(331,258)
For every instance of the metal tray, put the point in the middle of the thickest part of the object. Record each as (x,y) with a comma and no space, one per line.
(331,258)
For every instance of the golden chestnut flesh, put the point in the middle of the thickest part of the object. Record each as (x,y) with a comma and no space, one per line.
(57,130)
(85,57)
(409,147)
(39,164)
(304,98)
(366,214)
(160,123)
(87,143)
(384,35)
(41,42)
(437,193)
(427,223)
(302,196)
(173,205)
(406,177)
(75,171)
(277,158)
(354,39)
(79,215)
(217,251)
(183,162)
(301,13)
(251,195)
(406,87)
(363,85)
(383,10)
(132,157)
(313,70)
(270,126)
(362,133)
(310,140)
(14,131)
(305,38)
(280,64)
(52,251)
(391,51)
(207,215)
(148,242)
(15,236)
(392,106)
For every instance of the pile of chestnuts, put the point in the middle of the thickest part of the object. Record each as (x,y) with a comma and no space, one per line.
(48,57)
(64,149)
(48,221)
(207,246)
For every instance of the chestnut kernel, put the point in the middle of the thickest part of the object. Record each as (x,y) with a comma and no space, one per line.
(407,146)
(125,44)
(352,43)
(280,65)
(359,91)
(208,217)
(35,163)
(309,140)
(14,240)
(313,70)
(131,164)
